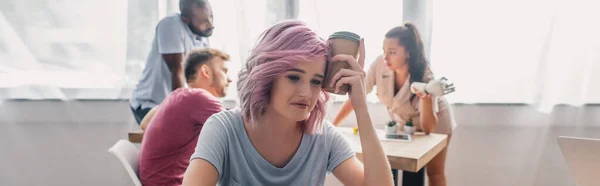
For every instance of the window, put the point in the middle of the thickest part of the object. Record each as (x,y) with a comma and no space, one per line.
(49,46)
(501,52)
(97,49)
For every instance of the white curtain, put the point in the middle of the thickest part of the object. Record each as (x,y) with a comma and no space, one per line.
(47,46)
(518,51)
(97,49)
(569,69)
(497,51)
(511,51)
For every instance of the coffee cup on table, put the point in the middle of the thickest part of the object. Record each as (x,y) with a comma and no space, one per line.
(342,42)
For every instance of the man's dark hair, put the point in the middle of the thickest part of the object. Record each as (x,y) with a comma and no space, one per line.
(198,57)
(185,6)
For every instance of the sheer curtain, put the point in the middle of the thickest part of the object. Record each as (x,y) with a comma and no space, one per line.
(526,51)
(517,51)
(97,49)
(494,51)
(48,46)
(569,68)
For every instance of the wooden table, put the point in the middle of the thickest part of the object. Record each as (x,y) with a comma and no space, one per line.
(407,156)
(136,136)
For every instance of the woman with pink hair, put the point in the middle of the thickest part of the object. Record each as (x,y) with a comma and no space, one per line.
(278,136)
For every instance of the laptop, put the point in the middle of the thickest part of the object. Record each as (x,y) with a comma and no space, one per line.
(583,159)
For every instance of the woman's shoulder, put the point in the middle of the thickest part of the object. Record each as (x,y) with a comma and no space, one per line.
(379,58)
(378,62)
(378,65)
(330,131)
(226,120)
(327,127)
(326,130)
(234,112)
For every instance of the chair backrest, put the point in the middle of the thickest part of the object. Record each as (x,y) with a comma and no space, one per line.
(128,155)
(583,159)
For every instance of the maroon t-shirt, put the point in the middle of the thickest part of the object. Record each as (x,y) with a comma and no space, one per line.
(172,135)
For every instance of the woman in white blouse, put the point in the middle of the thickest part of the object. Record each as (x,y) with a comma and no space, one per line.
(403,63)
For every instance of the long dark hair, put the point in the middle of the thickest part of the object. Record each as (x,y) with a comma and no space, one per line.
(409,38)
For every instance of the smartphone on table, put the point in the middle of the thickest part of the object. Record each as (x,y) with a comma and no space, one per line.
(397,137)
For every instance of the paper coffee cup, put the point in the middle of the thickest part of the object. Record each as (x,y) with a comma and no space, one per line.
(341,42)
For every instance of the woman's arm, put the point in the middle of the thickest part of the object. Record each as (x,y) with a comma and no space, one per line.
(343,113)
(376,169)
(369,84)
(200,173)
(428,116)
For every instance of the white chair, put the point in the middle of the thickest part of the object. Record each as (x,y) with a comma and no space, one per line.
(128,155)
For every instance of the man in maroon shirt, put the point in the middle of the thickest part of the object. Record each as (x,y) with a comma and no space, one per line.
(170,138)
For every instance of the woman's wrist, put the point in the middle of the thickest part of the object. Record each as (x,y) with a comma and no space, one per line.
(359,104)
(427,100)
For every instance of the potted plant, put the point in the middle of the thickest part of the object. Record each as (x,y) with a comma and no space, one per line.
(409,128)
(391,127)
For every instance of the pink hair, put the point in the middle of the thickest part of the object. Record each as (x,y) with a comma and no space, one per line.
(280,48)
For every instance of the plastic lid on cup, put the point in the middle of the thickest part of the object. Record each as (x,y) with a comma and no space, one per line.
(345,35)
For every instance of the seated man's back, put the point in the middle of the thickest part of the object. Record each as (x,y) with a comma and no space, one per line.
(170,139)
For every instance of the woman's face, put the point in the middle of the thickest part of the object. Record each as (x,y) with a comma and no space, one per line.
(295,92)
(394,54)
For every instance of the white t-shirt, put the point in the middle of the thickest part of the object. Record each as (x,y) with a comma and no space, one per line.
(225,144)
